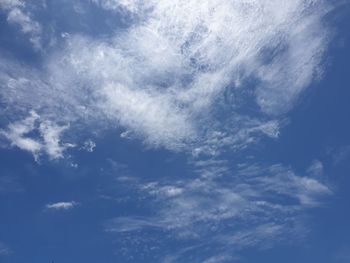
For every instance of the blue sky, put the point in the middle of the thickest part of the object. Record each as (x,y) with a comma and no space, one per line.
(174,131)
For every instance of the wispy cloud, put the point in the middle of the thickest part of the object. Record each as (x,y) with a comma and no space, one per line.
(340,154)
(342,255)
(4,250)
(89,145)
(62,205)
(19,16)
(48,141)
(131,6)
(316,168)
(256,206)
(189,76)
(185,82)
(15,133)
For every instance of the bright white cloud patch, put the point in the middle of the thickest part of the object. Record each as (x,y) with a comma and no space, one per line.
(184,74)
(22,135)
(62,205)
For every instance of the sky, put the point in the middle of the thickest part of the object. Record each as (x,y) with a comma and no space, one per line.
(174,131)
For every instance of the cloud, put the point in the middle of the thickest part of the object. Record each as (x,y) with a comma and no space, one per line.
(170,191)
(17,15)
(340,155)
(342,254)
(131,6)
(4,250)
(51,138)
(16,131)
(184,75)
(252,206)
(62,205)
(20,134)
(316,168)
(126,224)
(195,77)
(284,182)
(89,145)
(222,43)
(219,258)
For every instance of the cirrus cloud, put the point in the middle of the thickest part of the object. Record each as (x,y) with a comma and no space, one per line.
(177,80)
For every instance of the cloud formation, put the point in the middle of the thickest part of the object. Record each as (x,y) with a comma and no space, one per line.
(199,77)
(47,141)
(184,74)
(17,15)
(62,205)
(249,206)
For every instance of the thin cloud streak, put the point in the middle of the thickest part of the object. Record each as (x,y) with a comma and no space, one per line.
(62,205)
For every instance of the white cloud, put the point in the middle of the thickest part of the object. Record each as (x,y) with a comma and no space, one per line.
(18,15)
(316,168)
(219,259)
(179,76)
(285,182)
(252,206)
(166,191)
(51,134)
(62,205)
(19,135)
(89,145)
(16,132)
(193,76)
(126,224)
(8,4)
(119,5)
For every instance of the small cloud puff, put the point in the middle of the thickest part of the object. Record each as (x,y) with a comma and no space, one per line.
(22,135)
(89,146)
(62,205)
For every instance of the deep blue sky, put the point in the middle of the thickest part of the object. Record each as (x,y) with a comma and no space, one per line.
(133,133)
